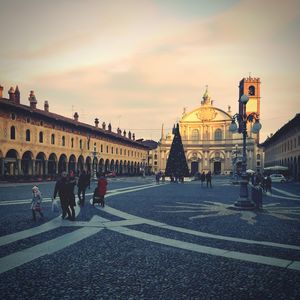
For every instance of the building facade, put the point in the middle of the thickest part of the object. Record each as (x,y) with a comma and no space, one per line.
(207,141)
(283,148)
(35,142)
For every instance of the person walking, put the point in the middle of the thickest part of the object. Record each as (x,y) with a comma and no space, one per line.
(268,184)
(208,179)
(202,178)
(63,189)
(71,195)
(83,183)
(36,203)
(102,188)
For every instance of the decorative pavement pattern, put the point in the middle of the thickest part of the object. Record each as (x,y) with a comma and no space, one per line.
(99,224)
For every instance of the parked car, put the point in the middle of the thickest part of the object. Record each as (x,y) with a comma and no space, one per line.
(111,174)
(277,178)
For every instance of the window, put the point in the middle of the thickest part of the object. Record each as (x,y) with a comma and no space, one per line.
(12,133)
(41,137)
(52,139)
(42,123)
(95,147)
(106,149)
(258,156)
(80,144)
(195,135)
(13,116)
(121,151)
(63,141)
(101,147)
(251,90)
(28,120)
(27,135)
(117,151)
(218,135)
(155,156)
(72,142)
(112,150)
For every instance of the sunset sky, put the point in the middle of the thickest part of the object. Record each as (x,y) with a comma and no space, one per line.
(138,63)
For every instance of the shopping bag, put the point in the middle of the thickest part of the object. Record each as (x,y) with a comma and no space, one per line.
(55,207)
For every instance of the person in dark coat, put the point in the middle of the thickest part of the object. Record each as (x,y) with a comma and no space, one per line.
(63,190)
(83,183)
(208,179)
(268,184)
(202,178)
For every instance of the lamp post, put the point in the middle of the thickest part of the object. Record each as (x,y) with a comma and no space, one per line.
(94,153)
(234,163)
(242,118)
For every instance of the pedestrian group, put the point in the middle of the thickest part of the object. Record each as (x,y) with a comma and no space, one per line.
(65,189)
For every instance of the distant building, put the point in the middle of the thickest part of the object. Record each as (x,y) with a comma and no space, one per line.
(35,142)
(207,141)
(152,156)
(283,147)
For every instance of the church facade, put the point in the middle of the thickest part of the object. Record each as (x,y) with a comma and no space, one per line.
(207,141)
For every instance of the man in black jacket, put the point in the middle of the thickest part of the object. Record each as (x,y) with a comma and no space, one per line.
(83,183)
(63,189)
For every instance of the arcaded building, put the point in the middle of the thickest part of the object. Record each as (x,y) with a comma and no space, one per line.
(38,142)
(283,148)
(207,141)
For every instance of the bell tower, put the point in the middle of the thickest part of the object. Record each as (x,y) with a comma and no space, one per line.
(251,87)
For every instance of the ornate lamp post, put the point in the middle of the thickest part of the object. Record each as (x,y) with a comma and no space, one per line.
(242,118)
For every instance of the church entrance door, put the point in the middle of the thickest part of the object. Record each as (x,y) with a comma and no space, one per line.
(217,167)
(194,167)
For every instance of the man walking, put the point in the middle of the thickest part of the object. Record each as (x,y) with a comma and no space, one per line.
(62,188)
(83,183)
(208,179)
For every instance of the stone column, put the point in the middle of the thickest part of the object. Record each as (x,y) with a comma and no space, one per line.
(46,168)
(33,167)
(19,167)
(56,167)
(2,166)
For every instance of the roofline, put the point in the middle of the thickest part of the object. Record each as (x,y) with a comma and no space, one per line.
(69,121)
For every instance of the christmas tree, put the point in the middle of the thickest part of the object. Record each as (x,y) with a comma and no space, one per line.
(176,164)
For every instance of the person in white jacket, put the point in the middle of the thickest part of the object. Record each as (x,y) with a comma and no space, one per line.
(36,203)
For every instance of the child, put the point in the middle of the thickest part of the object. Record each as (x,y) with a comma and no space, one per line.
(36,202)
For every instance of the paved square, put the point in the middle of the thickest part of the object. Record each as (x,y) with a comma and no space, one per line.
(152,241)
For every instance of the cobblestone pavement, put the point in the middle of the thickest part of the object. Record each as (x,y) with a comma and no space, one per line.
(166,241)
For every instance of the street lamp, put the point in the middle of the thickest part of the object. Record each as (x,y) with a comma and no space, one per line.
(242,118)
(94,153)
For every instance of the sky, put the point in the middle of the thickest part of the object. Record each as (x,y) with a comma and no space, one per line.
(138,63)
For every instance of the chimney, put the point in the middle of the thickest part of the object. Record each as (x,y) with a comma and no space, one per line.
(32,100)
(46,106)
(11,94)
(103,126)
(76,116)
(109,127)
(1,91)
(97,122)
(17,95)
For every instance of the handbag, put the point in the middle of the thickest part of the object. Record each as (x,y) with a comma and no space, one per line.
(55,207)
